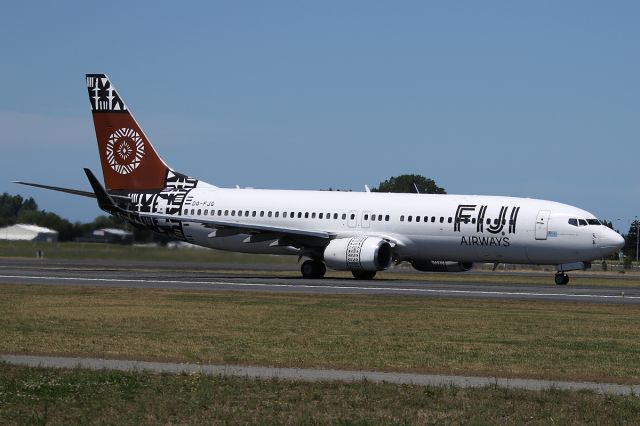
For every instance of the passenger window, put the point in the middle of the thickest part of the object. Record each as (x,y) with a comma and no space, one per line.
(206,212)
(284,214)
(199,212)
(233,212)
(417,218)
(409,218)
(488,221)
(269,214)
(335,215)
(366,217)
(442,219)
(253,213)
(426,219)
(386,218)
(473,221)
(313,215)
(226,212)
(353,216)
(299,215)
(193,211)
(306,215)
(449,220)
(261,213)
(186,211)
(344,216)
(433,219)
(219,212)
(379,218)
(277,214)
(401,218)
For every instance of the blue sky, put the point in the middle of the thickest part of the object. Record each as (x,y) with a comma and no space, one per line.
(533,99)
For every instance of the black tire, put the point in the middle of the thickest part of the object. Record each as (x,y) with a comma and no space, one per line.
(363,275)
(313,269)
(561,279)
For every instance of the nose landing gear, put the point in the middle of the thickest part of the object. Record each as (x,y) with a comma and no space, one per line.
(561,278)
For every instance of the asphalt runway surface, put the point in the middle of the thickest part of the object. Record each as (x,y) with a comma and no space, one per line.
(271,278)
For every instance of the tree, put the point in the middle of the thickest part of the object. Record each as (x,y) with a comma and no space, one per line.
(631,241)
(405,183)
(12,206)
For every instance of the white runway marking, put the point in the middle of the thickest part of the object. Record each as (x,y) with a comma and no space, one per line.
(333,287)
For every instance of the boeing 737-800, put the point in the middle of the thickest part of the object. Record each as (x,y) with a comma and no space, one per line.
(358,232)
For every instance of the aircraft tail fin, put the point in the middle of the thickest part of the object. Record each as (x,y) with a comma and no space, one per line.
(129,161)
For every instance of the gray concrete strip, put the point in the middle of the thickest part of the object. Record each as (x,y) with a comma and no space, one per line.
(316,375)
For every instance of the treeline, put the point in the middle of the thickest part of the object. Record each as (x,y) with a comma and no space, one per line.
(15,209)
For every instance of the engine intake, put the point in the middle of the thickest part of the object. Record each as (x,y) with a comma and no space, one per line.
(441,266)
(359,253)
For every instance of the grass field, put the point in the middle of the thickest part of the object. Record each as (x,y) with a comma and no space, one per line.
(60,397)
(546,340)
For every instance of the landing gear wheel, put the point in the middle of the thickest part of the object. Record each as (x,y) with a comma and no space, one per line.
(363,275)
(313,269)
(562,278)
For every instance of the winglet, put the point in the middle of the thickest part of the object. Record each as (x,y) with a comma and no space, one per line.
(105,202)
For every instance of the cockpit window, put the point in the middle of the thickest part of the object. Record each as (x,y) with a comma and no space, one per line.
(593,222)
(582,222)
(573,222)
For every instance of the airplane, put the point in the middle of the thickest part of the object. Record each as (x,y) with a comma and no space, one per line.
(360,232)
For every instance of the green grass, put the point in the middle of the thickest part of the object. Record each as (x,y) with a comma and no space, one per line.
(549,340)
(60,397)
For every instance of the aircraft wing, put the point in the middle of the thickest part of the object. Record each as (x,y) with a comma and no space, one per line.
(232,227)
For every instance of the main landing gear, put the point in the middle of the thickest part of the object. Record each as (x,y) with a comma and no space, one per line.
(313,269)
(561,278)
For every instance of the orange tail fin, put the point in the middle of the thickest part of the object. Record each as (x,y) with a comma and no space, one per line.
(129,162)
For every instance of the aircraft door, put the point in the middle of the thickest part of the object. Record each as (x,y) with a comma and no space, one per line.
(352,220)
(542,224)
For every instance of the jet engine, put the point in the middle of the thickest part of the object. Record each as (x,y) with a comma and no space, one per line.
(441,266)
(358,254)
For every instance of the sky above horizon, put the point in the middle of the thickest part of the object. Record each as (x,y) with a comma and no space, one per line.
(528,99)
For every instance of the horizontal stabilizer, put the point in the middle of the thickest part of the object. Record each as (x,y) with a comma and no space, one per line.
(57,188)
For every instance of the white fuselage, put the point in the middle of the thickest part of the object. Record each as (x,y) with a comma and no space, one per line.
(465,228)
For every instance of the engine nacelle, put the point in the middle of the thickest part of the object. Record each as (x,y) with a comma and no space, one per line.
(359,253)
(441,266)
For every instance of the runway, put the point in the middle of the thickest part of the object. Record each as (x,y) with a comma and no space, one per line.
(271,278)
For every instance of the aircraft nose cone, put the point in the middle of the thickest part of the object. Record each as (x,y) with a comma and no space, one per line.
(618,241)
(613,240)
